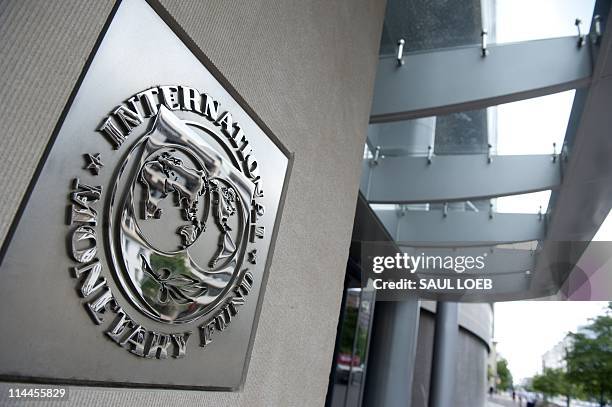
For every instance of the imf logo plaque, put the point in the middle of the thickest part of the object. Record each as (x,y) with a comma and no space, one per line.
(181,220)
(143,245)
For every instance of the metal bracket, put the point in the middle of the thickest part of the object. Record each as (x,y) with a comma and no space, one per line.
(490,211)
(445,210)
(489,156)
(483,43)
(597,34)
(429,154)
(564,155)
(554,155)
(400,52)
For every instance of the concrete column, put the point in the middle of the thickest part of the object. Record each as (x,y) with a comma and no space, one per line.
(442,385)
(392,354)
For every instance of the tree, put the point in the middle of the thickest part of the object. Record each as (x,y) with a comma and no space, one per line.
(589,359)
(504,375)
(553,382)
(546,383)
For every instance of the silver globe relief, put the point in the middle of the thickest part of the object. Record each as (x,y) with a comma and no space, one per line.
(175,195)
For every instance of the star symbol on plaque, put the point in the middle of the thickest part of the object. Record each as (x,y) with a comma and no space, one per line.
(93,163)
(252,256)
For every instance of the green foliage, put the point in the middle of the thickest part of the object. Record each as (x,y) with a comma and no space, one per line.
(347,334)
(348,329)
(589,360)
(504,375)
(555,382)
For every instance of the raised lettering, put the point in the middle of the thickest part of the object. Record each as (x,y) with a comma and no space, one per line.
(190,99)
(225,121)
(211,107)
(170,97)
(238,134)
(114,133)
(128,118)
(147,98)
(251,168)
(158,346)
(119,326)
(83,198)
(135,341)
(206,333)
(82,234)
(257,211)
(257,232)
(98,307)
(92,281)
(180,340)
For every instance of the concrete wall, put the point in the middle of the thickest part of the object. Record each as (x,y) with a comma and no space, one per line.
(308,67)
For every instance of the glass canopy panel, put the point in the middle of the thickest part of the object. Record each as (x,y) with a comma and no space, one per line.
(523,203)
(526,127)
(431,24)
(452,134)
(526,20)
(462,133)
(531,126)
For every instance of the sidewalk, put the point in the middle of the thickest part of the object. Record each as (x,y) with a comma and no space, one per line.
(501,401)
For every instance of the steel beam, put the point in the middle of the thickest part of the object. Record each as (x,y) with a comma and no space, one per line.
(460,79)
(433,227)
(457,177)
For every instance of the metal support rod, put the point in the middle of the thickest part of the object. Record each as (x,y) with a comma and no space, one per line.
(443,366)
(581,39)
(471,206)
(540,215)
(483,43)
(376,156)
(400,52)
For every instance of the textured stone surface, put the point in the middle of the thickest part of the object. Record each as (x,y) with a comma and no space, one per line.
(307,67)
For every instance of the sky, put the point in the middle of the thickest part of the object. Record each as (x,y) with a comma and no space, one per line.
(532,126)
(525,330)
(524,20)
